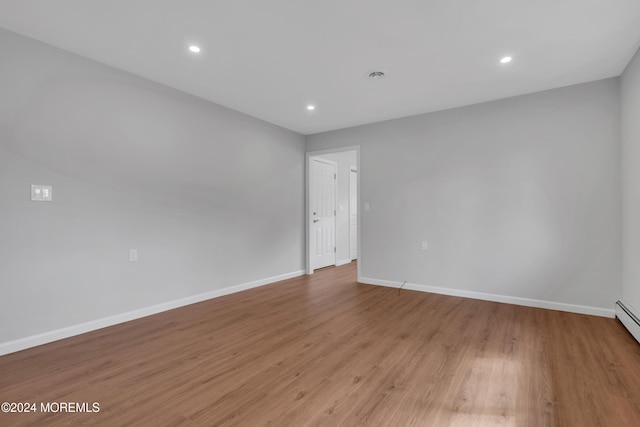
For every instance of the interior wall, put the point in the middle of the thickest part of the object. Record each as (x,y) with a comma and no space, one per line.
(519,197)
(210,198)
(630,100)
(344,159)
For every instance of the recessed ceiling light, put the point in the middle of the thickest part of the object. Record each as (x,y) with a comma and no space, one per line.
(376,75)
(195,49)
(506,60)
(311,107)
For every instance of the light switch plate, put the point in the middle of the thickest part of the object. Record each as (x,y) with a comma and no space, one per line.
(41,193)
(425,246)
(367,207)
(133,255)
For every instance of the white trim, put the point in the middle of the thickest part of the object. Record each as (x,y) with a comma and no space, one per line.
(627,320)
(528,302)
(353,169)
(58,334)
(342,262)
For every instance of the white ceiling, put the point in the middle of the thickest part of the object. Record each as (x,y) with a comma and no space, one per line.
(270,58)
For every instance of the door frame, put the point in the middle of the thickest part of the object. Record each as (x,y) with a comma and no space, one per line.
(307,211)
(353,169)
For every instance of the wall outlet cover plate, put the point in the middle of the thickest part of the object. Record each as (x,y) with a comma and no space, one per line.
(41,193)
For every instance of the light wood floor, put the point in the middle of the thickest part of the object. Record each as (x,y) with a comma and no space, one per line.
(324,350)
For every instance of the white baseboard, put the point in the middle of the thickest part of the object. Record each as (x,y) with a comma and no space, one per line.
(58,334)
(342,262)
(628,315)
(550,305)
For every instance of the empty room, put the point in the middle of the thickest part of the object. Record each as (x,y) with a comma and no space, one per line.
(336,213)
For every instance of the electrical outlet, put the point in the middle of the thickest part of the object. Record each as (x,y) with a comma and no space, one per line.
(41,193)
(133,255)
(425,246)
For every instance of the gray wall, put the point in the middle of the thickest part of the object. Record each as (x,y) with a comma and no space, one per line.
(210,197)
(630,98)
(519,197)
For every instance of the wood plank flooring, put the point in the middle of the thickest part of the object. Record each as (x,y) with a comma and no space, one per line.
(323,350)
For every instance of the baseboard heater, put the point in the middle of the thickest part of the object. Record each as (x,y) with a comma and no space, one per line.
(628,319)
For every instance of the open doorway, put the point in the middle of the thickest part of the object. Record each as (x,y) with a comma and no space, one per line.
(340,231)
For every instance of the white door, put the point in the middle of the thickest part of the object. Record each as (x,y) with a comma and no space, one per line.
(353,213)
(323,213)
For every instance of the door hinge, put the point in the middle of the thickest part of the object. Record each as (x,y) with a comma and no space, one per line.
(335,176)
(334,249)
(334,212)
